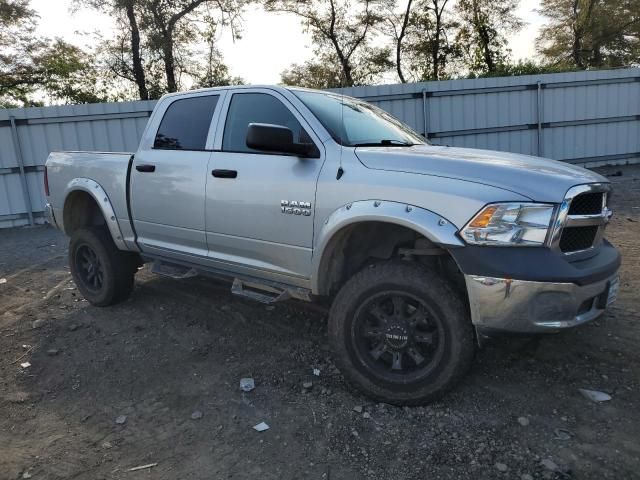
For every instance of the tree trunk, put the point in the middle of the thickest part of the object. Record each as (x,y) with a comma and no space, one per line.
(403,31)
(483,37)
(138,69)
(576,48)
(169,61)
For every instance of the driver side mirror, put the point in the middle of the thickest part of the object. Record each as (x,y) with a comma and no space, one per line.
(276,138)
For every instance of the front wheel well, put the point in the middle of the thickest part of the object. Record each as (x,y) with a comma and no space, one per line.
(81,210)
(357,245)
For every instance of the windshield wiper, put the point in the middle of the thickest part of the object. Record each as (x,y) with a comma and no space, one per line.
(385,143)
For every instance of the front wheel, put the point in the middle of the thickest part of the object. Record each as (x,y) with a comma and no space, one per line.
(400,333)
(103,274)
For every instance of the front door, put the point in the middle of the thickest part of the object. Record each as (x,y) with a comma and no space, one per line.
(169,176)
(260,205)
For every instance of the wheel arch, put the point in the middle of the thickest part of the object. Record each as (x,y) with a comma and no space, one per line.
(86,204)
(394,222)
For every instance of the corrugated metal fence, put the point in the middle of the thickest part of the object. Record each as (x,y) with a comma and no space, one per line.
(28,135)
(587,118)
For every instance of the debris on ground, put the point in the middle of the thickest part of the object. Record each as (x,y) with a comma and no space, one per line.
(550,465)
(52,352)
(501,467)
(121,419)
(247,384)
(316,372)
(307,385)
(3,280)
(142,467)
(366,415)
(29,348)
(196,415)
(524,421)
(38,323)
(261,427)
(594,395)
(357,408)
(562,434)
(25,365)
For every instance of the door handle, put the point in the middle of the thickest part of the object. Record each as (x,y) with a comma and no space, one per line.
(224,173)
(146,168)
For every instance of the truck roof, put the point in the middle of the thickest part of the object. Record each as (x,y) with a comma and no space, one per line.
(236,87)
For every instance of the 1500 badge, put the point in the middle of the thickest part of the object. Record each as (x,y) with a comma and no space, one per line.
(292,207)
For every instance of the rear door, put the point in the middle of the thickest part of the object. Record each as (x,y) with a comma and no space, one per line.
(248,223)
(169,175)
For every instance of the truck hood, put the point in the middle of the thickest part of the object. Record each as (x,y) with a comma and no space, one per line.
(539,179)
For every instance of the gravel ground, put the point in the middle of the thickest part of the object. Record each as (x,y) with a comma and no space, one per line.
(155,380)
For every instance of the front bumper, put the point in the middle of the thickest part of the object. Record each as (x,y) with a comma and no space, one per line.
(520,306)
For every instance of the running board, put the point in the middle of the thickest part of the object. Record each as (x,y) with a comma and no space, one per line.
(259,292)
(258,289)
(173,270)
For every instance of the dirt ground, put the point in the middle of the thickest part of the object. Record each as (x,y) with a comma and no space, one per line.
(170,360)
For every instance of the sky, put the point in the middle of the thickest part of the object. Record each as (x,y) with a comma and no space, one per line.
(270,43)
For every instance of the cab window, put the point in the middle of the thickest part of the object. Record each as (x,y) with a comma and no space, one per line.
(186,123)
(246,108)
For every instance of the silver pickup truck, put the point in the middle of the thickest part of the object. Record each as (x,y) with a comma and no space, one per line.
(423,250)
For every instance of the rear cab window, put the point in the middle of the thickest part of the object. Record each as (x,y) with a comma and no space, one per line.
(185,124)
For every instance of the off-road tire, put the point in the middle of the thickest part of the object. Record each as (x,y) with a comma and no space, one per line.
(118,267)
(456,332)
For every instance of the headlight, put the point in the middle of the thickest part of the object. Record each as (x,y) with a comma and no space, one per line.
(510,224)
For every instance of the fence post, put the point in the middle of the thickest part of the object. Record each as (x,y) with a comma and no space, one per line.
(425,115)
(539,115)
(23,176)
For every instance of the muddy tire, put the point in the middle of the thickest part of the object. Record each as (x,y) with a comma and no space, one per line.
(400,334)
(103,274)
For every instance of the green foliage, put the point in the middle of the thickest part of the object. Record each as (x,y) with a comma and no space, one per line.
(163,46)
(431,53)
(33,69)
(484,26)
(325,71)
(588,34)
(522,67)
(341,31)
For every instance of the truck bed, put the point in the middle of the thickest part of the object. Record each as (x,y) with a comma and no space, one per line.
(65,170)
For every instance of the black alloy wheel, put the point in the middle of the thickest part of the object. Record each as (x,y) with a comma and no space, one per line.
(397,336)
(89,268)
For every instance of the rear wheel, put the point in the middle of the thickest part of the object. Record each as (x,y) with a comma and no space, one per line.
(400,333)
(103,274)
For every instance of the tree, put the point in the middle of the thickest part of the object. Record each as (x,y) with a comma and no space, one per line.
(586,34)
(32,67)
(484,26)
(341,31)
(216,73)
(320,74)
(156,44)
(421,36)
(170,28)
(123,56)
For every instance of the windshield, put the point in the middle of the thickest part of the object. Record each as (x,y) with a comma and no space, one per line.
(355,123)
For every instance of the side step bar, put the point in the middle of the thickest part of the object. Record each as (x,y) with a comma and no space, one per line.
(256,289)
(173,270)
(259,292)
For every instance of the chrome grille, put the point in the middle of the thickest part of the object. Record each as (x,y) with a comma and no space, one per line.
(581,219)
(574,239)
(587,204)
